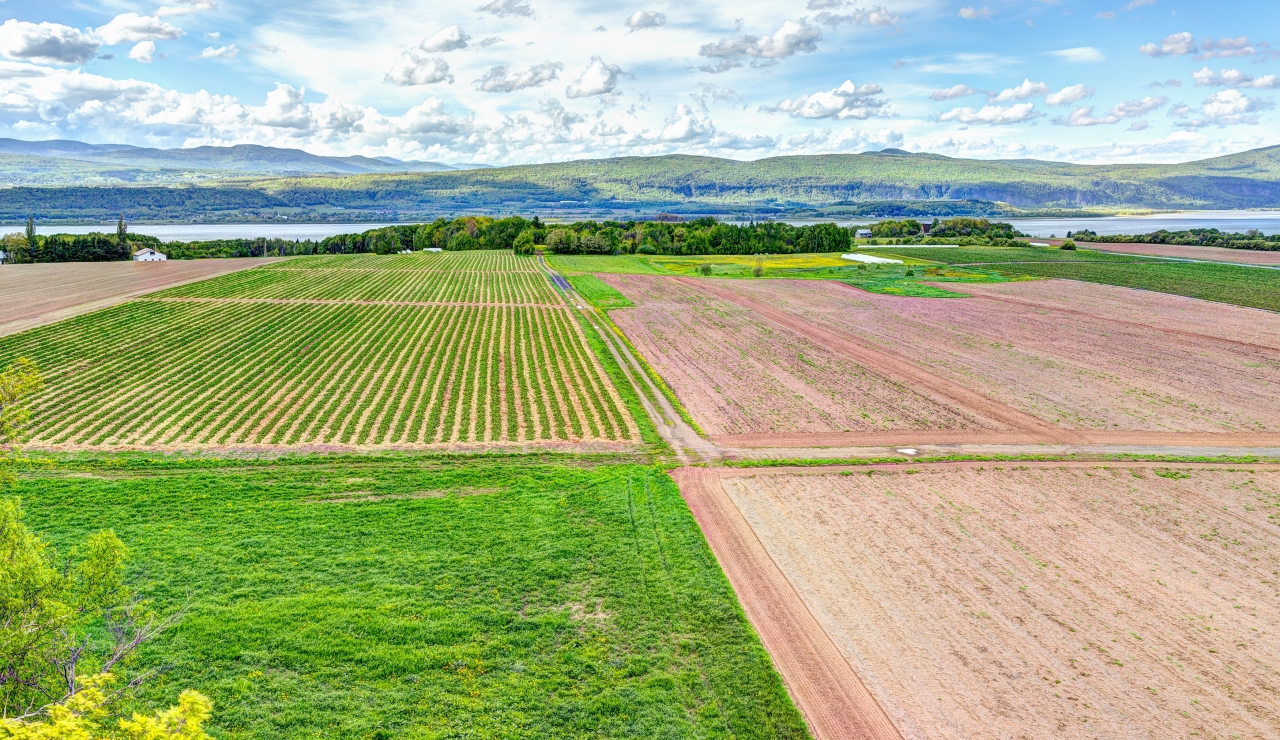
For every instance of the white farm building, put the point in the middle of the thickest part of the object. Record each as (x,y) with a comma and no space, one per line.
(147,254)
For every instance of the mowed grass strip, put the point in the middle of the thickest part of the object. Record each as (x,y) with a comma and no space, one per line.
(426,598)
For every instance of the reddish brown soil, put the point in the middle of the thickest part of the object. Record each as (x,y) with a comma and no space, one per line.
(1216,254)
(1029,601)
(31,295)
(1147,372)
(740,373)
(1161,311)
(824,687)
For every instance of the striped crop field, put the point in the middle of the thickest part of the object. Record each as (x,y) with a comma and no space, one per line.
(424,350)
(448,277)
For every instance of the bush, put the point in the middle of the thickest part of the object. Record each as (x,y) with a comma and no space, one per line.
(1069,245)
(911,273)
(524,242)
(705,270)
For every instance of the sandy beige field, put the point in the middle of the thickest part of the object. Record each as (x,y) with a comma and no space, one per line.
(1039,601)
(31,295)
(1077,367)
(740,374)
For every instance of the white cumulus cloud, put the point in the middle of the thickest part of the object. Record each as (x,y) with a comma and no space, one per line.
(646,19)
(1224,108)
(597,79)
(876,15)
(844,102)
(791,38)
(447,39)
(1237,47)
(1027,89)
(971,13)
(1172,46)
(953,92)
(143,51)
(1234,78)
(414,69)
(46,42)
(1069,95)
(992,115)
(506,8)
(219,52)
(1083,116)
(130,28)
(502,79)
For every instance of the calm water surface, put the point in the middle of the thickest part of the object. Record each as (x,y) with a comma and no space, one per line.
(1268,222)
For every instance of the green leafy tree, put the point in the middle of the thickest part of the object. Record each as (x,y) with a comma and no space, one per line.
(122,234)
(31,238)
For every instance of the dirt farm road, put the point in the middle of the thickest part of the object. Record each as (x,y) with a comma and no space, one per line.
(821,682)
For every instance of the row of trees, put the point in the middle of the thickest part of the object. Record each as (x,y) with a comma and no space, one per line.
(1251,239)
(699,236)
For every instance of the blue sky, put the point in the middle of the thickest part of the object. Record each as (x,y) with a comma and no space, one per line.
(515,81)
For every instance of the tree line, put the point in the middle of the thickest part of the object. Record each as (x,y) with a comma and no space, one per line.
(1251,239)
(669,236)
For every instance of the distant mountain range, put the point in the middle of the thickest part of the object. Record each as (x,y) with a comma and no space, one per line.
(75,162)
(248,183)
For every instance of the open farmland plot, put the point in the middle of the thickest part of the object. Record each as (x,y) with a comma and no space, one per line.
(425,597)
(492,358)
(1070,600)
(1083,373)
(36,294)
(737,373)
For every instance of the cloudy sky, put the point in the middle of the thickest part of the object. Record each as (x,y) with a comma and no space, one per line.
(515,81)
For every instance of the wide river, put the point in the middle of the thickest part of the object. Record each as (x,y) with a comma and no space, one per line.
(1267,222)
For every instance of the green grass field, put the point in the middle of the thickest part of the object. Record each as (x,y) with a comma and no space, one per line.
(584,263)
(1242,286)
(417,597)
(599,293)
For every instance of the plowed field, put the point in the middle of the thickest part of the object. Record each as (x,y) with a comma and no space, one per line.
(491,358)
(1046,600)
(31,295)
(738,373)
(1134,364)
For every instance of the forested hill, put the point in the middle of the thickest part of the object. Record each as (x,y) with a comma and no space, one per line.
(857,184)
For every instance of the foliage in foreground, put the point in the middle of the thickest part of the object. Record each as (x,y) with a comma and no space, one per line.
(425,597)
(84,717)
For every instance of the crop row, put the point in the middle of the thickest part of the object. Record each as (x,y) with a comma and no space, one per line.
(161,374)
(470,261)
(376,285)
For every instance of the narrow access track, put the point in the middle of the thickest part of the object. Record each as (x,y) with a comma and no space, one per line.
(673,429)
(833,700)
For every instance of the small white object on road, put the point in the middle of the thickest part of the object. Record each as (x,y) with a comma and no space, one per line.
(907,450)
(870,260)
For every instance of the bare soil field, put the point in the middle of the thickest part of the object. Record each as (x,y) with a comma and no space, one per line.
(1073,368)
(32,295)
(738,373)
(1065,600)
(1161,311)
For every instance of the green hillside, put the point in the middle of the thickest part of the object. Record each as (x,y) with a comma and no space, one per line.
(874,183)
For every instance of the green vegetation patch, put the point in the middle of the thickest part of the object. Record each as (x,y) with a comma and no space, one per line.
(428,598)
(628,264)
(1004,255)
(1243,286)
(599,293)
